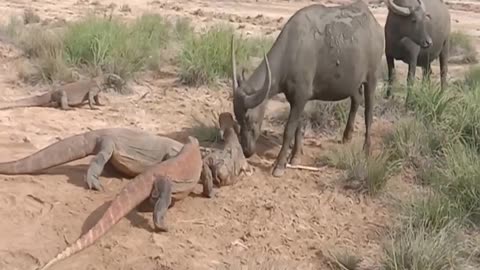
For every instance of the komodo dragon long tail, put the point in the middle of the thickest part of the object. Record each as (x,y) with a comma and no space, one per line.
(66,150)
(187,164)
(38,100)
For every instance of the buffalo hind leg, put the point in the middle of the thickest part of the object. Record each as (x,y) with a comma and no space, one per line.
(354,104)
(296,109)
(105,146)
(391,75)
(443,59)
(161,197)
(369,95)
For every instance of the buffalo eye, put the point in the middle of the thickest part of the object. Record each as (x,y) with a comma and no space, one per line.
(428,16)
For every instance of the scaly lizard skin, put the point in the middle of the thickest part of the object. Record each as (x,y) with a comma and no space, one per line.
(67,95)
(223,166)
(129,151)
(162,184)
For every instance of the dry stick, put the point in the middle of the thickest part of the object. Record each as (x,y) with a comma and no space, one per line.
(302,167)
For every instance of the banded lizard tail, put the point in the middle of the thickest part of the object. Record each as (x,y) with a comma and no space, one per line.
(164,183)
(129,151)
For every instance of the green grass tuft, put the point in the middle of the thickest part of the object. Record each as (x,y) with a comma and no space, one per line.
(205,58)
(419,248)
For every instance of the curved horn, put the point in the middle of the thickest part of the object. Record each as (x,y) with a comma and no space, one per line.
(402,11)
(422,5)
(234,65)
(259,96)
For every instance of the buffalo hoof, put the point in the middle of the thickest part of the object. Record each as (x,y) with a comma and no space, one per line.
(161,227)
(210,195)
(346,139)
(295,160)
(278,172)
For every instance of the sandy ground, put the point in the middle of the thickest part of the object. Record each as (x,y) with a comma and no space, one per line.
(293,221)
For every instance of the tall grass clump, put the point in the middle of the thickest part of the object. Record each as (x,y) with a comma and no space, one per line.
(412,141)
(472,77)
(113,46)
(461,48)
(369,173)
(419,248)
(205,58)
(430,102)
(456,176)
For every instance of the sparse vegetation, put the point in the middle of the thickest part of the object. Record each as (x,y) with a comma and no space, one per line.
(419,248)
(440,139)
(205,58)
(461,48)
(369,173)
(29,16)
(472,78)
(342,259)
(93,44)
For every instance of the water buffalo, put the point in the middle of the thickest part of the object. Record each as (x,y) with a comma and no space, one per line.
(322,53)
(416,32)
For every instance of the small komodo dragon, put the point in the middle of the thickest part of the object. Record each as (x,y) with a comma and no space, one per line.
(161,184)
(129,151)
(223,166)
(67,95)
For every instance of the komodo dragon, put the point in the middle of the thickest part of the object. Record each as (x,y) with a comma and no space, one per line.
(225,165)
(67,95)
(129,151)
(161,184)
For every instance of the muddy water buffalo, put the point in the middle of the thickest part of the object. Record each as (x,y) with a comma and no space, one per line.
(416,32)
(322,53)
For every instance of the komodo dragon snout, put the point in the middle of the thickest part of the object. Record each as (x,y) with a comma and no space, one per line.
(226,121)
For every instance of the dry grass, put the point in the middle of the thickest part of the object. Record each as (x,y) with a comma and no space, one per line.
(461,48)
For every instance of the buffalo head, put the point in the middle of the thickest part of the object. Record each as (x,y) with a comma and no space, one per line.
(412,22)
(246,101)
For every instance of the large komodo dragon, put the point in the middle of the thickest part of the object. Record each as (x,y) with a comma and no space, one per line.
(173,179)
(223,166)
(129,151)
(68,95)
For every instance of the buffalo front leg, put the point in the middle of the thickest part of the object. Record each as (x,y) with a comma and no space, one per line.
(161,198)
(427,72)
(288,134)
(443,59)
(297,149)
(105,147)
(369,94)
(413,51)
(391,75)
(348,132)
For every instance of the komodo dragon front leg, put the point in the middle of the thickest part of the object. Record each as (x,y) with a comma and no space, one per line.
(161,198)
(105,148)
(63,101)
(92,98)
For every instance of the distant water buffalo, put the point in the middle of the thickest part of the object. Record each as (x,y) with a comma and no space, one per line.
(322,53)
(416,32)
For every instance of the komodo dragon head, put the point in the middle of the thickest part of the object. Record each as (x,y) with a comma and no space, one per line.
(226,121)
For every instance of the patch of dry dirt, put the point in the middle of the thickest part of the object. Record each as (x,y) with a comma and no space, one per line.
(297,218)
